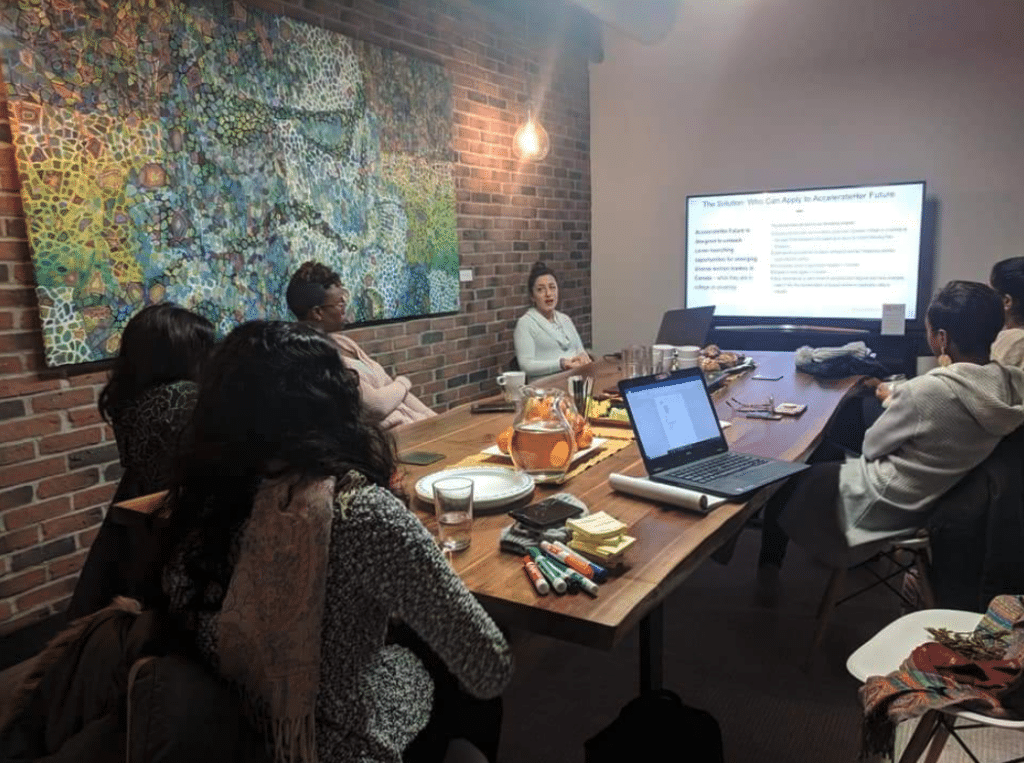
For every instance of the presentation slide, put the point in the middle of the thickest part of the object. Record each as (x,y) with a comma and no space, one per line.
(829,253)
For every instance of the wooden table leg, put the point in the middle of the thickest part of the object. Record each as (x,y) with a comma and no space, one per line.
(922,735)
(652,636)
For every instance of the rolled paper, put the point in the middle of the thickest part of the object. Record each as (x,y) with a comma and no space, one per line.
(658,491)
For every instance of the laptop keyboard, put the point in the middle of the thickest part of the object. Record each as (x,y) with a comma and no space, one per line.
(716,468)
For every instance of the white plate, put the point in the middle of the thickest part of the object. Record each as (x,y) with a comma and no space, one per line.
(493,486)
(596,443)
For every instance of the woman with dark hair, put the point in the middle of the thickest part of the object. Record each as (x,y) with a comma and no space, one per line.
(151,391)
(1008,279)
(546,341)
(292,554)
(148,401)
(937,428)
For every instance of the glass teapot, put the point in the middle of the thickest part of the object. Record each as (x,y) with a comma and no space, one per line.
(543,441)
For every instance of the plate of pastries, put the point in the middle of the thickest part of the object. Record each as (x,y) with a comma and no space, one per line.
(717,364)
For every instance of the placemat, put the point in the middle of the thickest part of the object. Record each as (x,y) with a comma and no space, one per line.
(613,432)
(610,448)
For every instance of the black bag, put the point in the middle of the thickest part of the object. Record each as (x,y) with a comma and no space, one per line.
(652,724)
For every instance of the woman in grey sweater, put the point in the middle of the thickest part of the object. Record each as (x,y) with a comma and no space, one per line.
(294,555)
(937,428)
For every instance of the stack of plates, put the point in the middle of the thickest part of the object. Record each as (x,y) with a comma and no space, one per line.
(494,487)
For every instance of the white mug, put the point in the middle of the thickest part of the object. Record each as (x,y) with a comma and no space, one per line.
(512,383)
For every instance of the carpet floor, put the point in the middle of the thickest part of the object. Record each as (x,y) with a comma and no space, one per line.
(724,653)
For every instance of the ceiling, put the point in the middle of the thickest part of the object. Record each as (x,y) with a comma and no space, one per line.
(647,21)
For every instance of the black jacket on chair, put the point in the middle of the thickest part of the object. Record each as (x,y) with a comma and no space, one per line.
(976,532)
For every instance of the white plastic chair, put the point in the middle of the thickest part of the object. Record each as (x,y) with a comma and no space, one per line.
(887,650)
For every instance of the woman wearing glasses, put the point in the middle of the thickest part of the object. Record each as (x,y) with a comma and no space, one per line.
(315,296)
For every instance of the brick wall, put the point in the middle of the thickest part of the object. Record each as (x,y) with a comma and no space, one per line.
(58,460)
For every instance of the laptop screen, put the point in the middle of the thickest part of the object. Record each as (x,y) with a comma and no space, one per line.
(673,416)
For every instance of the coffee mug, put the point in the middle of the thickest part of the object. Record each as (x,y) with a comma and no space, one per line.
(512,384)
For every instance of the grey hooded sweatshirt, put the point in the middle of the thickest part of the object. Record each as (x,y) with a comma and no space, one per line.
(937,427)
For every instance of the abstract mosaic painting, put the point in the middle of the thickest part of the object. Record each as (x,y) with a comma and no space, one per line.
(200,151)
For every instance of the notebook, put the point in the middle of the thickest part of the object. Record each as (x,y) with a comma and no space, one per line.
(689,326)
(681,440)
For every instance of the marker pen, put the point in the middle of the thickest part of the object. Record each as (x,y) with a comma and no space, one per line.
(549,571)
(586,584)
(570,558)
(600,573)
(536,576)
(566,574)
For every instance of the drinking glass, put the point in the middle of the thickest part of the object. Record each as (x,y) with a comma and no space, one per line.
(453,506)
(580,388)
(636,361)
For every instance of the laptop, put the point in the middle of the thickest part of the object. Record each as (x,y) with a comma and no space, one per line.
(689,326)
(681,440)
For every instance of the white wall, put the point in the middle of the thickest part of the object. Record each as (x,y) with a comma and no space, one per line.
(769,94)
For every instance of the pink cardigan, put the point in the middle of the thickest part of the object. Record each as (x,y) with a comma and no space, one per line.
(387,400)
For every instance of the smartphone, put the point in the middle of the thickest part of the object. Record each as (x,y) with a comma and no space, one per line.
(419,457)
(763,415)
(498,406)
(550,512)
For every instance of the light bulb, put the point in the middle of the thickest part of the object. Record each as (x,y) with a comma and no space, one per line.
(530,143)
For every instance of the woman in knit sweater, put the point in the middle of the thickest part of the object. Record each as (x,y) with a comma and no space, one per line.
(293,556)
(937,427)
(546,340)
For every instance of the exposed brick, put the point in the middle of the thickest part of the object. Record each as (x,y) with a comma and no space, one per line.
(18,539)
(81,417)
(14,251)
(59,401)
(16,475)
(12,454)
(113,472)
(101,495)
(86,538)
(67,565)
(94,379)
(15,584)
(72,523)
(60,443)
(37,512)
(68,483)
(54,590)
(102,454)
(23,620)
(27,385)
(42,553)
(10,409)
(19,496)
(23,429)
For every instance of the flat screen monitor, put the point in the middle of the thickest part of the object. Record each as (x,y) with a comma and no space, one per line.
(830,256)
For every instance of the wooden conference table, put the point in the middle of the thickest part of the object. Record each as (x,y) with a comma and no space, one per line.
(671,543)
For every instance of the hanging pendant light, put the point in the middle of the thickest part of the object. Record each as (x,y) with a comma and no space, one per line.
(530,143)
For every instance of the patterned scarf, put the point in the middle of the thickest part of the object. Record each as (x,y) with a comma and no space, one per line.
(268,630)
(978,672)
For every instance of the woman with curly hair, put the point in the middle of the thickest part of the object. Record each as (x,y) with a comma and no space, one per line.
(292,555)
(148,401)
